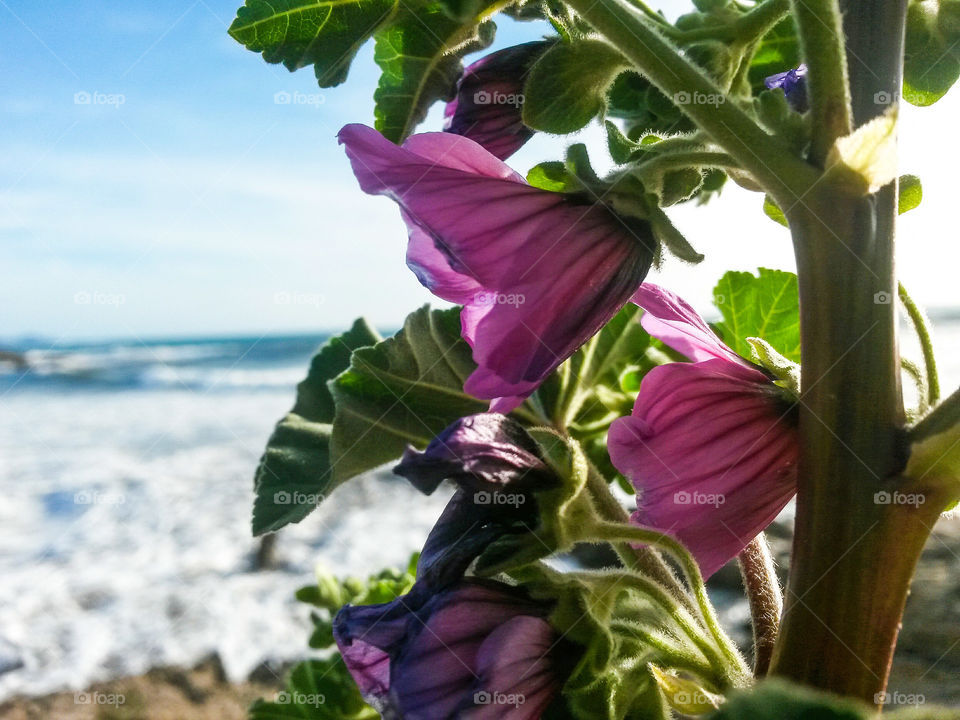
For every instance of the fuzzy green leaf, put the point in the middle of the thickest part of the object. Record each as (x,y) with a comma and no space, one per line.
(765,305)
(316,690)
(779,700)
(567,87)
(402,391)
(420,56)
(911,193)
(324,33)
(294,473)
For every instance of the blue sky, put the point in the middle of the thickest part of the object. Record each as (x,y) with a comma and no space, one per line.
(182,200)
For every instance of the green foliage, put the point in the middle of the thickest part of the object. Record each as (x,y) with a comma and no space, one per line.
(765,305)
(911,193)
(316,690)
(773,211)
(322,689)
(402,391)
(931,61)
(419,54)
(645,109)
(324,33)
(779,700)
(567,87)
(777,51)
(294,473)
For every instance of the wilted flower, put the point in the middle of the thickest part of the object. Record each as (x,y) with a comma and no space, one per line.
(489,101)
(538,272)
(711,445)
(794,86)
(480,649)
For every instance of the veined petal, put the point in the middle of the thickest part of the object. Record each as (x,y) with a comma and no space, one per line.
(712,453)
(488,108)
(547,270)
(670,319)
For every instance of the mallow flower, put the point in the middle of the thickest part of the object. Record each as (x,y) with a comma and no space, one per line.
(538,272)
(455,646)
(711,445)
(794,85)
(489,102)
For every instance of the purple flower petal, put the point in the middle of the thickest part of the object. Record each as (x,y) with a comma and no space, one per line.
(438,647)
(671,320)
(488,107)
(711,453)
(794,86)
(546,270)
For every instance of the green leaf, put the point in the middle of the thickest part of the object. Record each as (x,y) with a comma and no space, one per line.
(324,33)
(779,700)
(622,149)
(773,211)
(316,690)
(419,54)
(294,473)
(911,193)
(402,391)
(765,305)
(567,87)
(554,177)
(778,51)
(931,59)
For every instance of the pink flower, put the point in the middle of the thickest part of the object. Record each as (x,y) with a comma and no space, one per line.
(711,445)
(538,272)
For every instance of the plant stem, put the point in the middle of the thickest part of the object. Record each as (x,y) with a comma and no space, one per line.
(766,600)
(765,157)
(822,41)
(752,25)
(631,533)
(922,327)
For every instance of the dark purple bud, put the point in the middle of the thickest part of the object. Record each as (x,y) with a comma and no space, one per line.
(489,101)
(485,452)
(481,649)
(794,86)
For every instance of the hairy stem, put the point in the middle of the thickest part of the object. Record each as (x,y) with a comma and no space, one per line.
(822,40)
(922,327)
(773,165)
(766,600)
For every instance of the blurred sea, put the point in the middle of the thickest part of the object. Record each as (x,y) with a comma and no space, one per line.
(125,490)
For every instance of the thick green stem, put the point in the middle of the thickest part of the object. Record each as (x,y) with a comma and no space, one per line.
(922,327)
(773,165)
(853,554)
(750,26)
(822,40)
